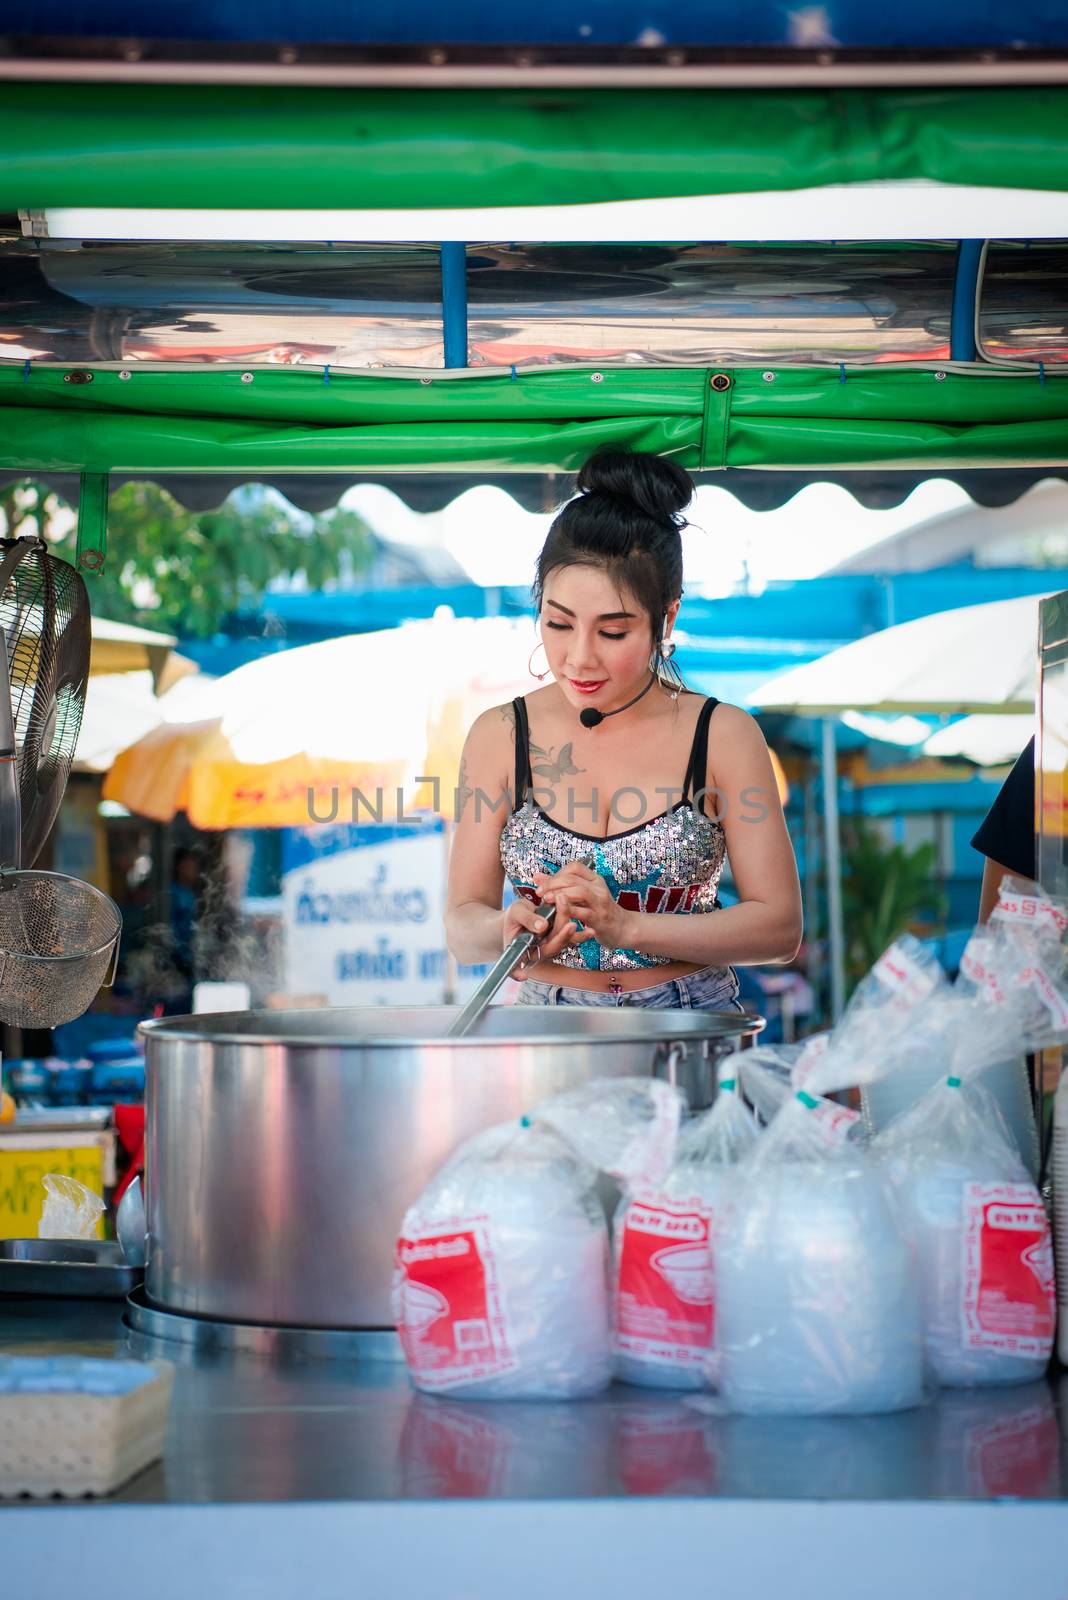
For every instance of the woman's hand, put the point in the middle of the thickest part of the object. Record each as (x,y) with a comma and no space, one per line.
(519,917)
(583,896)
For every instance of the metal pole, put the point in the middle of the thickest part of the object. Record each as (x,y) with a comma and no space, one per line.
(450,994)
(817,960)
(965,294)
(454,303)
(832,852)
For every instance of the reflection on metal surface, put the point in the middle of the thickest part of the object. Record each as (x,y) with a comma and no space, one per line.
(323,305)
(366,306)
(997,1443)
(251,1431)
(708,304)
(465,1449)
(1023,301)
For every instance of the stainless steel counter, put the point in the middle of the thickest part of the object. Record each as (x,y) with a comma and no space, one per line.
(279,1481)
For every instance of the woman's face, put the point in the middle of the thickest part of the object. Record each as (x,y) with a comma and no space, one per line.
(598,640)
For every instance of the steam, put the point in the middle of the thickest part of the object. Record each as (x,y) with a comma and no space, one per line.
(227,944)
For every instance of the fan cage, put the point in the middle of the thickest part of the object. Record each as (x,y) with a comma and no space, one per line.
(45,618)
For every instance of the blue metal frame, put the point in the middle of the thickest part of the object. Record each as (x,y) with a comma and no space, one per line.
(965,294)
(454,303)
(841,24)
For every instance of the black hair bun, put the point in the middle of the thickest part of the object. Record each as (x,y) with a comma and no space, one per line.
(660,487)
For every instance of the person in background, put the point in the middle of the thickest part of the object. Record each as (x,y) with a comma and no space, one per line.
(185,886)
(1007,835)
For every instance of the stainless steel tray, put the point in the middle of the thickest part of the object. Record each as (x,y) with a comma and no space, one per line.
(78,1269)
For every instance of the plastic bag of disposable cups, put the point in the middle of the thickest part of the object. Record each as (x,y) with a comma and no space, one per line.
(977,1224)
(500,1286)
(1018,957)
(1013,967)
(663,1302)
(964,1193)
(817,1302)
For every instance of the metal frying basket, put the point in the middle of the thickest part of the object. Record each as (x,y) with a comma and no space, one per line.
(58,937)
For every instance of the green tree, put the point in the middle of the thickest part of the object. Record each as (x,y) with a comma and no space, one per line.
(183,572)
(886,890)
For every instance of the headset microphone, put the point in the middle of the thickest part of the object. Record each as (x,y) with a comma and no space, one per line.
(590,717)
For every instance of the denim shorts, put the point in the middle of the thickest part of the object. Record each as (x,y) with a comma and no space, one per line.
(709,989)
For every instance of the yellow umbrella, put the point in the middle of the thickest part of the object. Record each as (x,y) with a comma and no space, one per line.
(331,731)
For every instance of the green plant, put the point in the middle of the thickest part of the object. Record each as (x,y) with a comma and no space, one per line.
(886,889)
(183,572)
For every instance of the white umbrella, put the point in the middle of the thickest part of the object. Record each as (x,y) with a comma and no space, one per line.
(121,707)
(989,741)
(973,659)
(905,731)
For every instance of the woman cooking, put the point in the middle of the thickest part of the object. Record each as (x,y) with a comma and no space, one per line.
(615,792)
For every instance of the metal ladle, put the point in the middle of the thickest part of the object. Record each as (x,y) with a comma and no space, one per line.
(130,1224)
(472,1012)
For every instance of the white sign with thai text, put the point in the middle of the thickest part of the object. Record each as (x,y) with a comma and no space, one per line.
(364,915)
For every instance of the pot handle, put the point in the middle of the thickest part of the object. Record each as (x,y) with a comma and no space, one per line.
(691,1070)
(670,1060)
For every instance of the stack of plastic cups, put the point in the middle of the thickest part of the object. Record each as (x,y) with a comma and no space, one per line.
(933,1206)
(817,1303)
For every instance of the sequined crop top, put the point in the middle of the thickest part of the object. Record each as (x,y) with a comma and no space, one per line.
(671,863)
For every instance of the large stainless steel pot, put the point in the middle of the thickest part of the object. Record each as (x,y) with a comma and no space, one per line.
(282,1148)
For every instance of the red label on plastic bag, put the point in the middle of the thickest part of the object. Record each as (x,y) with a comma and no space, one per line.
(665,1296)
(452,1322)
(1029,911)
(836,1121)
(1007,1279)
(983,977)
(906,979)
(648,1156)
(813,1051)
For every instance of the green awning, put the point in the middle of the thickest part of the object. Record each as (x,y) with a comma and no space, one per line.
(293,421)
(162,146)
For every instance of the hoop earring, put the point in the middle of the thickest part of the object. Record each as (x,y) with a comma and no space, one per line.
(665,668)
(541,676)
